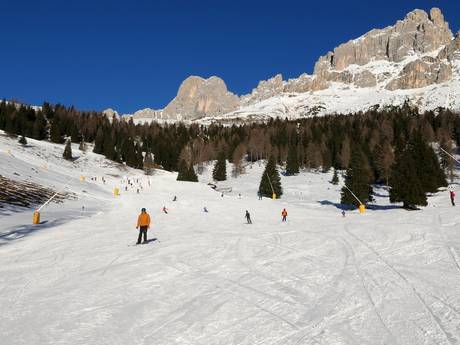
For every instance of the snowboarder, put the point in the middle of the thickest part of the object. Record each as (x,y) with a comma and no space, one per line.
(143,224)
(452,197)
(248,217)
(175,198)
(165,210)
(284,215)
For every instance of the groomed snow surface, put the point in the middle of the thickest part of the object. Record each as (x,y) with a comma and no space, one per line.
(386,277)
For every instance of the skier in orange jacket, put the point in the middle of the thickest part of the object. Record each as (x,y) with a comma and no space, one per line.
(284,214)
(143,224)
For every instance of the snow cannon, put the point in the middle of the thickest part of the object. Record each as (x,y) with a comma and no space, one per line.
(362,208)
(274,196)
(36,218)
(116,191)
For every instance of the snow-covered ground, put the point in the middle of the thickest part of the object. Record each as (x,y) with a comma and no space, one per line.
(386,277)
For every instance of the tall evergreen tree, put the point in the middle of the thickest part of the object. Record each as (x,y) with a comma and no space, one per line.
(220,169)
(39,127)
(405,184)
(67,150)
(358,179)
(55,131)
(271,181)
(99,141)
(428,168)
(292,164)
(186,173)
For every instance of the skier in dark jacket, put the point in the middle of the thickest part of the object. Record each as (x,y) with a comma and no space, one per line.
(248,217)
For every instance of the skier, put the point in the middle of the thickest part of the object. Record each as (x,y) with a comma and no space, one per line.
(259,194)
(165,210)
(205,209)
(175,198)
(284,214)
(248,217)
(452,197)
(343,213)
(239,195)
(143,224)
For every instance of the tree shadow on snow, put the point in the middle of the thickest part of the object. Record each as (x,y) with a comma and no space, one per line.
(21,231)
(350,208)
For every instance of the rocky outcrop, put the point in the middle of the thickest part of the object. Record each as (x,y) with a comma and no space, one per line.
(110,113)
(198,97)
(421,73)
(265,89)
(452,50)
(418,33)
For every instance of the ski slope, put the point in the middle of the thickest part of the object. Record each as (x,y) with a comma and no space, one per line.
(386,277)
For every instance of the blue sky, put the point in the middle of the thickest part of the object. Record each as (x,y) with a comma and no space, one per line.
(134,54)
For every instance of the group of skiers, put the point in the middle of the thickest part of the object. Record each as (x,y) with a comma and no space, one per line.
(143,220)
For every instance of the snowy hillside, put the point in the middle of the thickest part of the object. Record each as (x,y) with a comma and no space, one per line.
(386,277)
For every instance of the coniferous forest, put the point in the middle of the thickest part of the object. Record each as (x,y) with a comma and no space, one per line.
(380,146)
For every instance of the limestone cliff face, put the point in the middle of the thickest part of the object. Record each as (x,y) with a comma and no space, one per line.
(198,97)
(415,52)
(357,61)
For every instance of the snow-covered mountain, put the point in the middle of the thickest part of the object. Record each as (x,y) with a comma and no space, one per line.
(416,60)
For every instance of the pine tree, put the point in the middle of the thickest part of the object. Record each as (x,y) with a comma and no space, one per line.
(292,164)
(39,127)
(428,168)
(405,184)
(99,141)
(186,173)
(358,179)
(55,131)
(271,181)
(220,169)
(67,150)
(335,178)
(22,140)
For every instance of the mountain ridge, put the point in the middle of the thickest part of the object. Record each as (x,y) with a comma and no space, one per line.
(413,55)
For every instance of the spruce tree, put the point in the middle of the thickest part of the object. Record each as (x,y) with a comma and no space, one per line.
(220,169)
(39,127)
(55,131)
(405,184)
(271,181)
(67,150)
(99,141)
(428,168)
(292,164)
(358,179)
(186,172)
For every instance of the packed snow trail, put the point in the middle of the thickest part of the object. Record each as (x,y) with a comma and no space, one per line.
(386,277)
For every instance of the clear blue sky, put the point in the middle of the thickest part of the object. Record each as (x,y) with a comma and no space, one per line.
(134,54)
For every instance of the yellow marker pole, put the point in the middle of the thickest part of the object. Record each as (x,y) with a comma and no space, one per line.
(116,191)
(36,218)
(274,196)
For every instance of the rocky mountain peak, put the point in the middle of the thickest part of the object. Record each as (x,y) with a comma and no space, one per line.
(198,97)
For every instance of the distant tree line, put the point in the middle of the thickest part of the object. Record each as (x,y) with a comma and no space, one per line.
(372,140)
